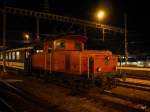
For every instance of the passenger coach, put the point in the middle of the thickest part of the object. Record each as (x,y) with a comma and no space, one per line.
(19,59)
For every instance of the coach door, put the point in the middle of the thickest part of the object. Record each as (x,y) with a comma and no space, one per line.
(28,60)
(90,67)
(67,63)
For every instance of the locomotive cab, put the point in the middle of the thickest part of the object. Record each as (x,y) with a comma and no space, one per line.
(66,43)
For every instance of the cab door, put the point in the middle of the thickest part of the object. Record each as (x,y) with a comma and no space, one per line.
(67,63)
(90,67)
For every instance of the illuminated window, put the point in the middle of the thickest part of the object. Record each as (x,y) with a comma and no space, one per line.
(9,56)
(17,55)
(60,44)
(27,54)
(6,56)
(13,55)
(1,56)
(78,46)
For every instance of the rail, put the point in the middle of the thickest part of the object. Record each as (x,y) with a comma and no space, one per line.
(133,68)
(8,106)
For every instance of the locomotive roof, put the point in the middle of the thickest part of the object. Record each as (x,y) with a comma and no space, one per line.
(75,37)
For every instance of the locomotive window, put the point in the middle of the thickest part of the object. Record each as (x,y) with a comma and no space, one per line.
(13,55)
(78,46)
(60,44)
(17,55)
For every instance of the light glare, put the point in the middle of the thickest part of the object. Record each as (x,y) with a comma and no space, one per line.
(100,14)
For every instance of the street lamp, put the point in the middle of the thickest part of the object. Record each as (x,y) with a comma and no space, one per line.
(100,15)
(125,45)
(26,36)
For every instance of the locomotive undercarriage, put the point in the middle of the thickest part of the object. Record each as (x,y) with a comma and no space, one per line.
(78,82)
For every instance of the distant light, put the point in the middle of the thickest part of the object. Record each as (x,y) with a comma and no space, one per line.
(101,14)
(27,36)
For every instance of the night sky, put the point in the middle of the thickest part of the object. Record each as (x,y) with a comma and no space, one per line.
(137,15)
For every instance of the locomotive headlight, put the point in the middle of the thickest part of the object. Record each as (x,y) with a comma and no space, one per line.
(107,58)
(99,69)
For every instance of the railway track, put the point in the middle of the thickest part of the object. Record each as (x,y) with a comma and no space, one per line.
(118,103)
(143,77)
(133,85)
(108,98)
(130,104)
(5,106)
(16,99)
(128,98)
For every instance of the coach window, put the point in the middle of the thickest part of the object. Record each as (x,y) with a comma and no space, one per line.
(1,56)
(17,55)
(13,55)
(6,56)
(27,54)
(9,56)
(60,44)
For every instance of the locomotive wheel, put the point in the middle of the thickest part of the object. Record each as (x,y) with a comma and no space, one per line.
(80,86)
(75,90)
(103,83)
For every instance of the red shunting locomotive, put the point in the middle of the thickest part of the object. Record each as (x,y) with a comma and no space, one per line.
(66,56)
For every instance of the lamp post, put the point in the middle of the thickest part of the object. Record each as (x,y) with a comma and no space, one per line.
(4,40)
(37,28)
(100,16)
(125,39)
(125,45)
